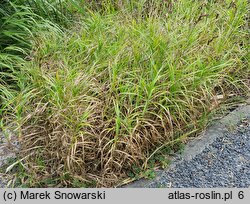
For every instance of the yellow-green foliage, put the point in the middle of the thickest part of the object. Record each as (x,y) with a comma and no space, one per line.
(102,96)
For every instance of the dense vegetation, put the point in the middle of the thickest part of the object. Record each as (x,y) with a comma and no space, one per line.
(95,89)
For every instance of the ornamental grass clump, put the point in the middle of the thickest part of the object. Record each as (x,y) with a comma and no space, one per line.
(102,97)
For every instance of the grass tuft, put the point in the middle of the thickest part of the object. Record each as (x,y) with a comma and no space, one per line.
(125,82)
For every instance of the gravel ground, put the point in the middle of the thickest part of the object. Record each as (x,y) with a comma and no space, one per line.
(224,163)
(7,149)
(220,157)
